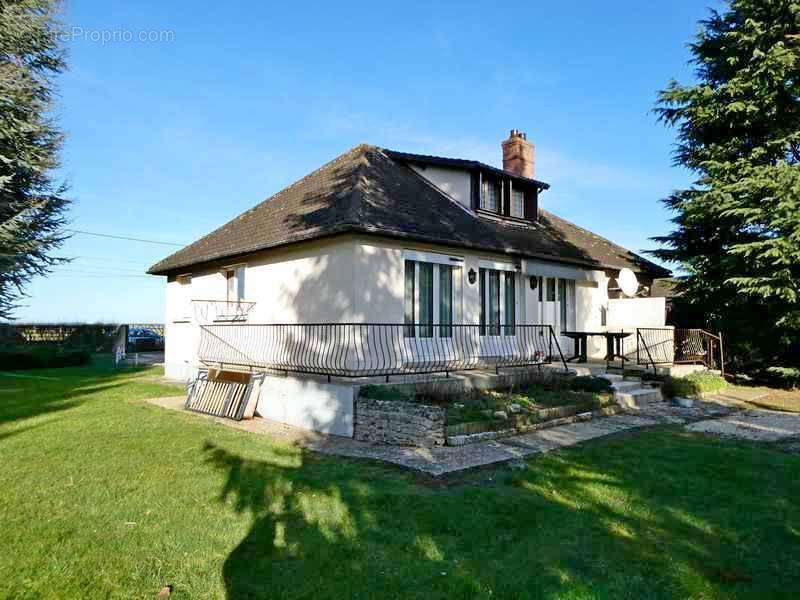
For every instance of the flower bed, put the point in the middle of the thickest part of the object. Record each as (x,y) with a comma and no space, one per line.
(531,402)
(388,413)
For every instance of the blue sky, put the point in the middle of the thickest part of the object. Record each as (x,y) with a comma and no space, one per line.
(168,139)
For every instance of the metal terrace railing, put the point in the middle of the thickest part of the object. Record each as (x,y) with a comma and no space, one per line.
(376,349)
(211,311)
(659,346)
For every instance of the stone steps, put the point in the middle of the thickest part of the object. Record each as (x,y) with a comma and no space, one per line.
(636,398)
(630,392)
(612,377)
(626,386)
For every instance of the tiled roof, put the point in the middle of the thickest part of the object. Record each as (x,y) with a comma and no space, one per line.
(366,190)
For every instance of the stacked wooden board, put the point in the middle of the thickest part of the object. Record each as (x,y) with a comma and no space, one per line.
(228,394)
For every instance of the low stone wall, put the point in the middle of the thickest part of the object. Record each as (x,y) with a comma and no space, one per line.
(399,423)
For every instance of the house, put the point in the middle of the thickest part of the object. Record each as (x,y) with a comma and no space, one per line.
(426,244)
(666,288)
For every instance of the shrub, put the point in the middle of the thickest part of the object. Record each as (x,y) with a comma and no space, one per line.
(400,392)
(649,376)
(784,377)
(697,383)
(590,384)
(42,357)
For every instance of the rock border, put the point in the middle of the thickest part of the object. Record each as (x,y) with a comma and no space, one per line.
(474,438)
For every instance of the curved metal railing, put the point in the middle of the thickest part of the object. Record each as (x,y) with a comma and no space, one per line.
(375,349)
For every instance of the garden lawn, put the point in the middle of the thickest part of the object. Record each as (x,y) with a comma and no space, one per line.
(104,495)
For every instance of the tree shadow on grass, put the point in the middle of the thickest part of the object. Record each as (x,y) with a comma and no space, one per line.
(42,391)
(659,517)
(323,533)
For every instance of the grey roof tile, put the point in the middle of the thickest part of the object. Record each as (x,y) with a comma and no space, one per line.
(366,190)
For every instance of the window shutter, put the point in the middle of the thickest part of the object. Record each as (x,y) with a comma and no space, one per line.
(531,202)
(505,196)
(475,189)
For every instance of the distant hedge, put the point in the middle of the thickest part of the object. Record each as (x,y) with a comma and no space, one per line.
(42,357)
(784,377)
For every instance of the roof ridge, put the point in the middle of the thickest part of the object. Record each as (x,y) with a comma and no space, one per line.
(462,163)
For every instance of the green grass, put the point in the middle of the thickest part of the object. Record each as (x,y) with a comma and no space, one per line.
(103,495)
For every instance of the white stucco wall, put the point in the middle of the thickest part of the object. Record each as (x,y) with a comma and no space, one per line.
(454,182)
(379,282)
(627,313)
(180,349)
(360,279)
(308,403)
(313,283)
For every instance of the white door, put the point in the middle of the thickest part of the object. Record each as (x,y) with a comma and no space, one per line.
(556,308)
(550,303)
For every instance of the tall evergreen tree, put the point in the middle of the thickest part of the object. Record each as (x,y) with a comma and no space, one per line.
(737,232)
(32,206)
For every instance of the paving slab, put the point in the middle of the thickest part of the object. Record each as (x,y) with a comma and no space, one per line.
(575,433)
(441,460)
(741,394)
(672,414)
(433,461)
(756,425)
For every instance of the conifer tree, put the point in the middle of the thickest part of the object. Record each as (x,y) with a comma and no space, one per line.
(737,234)
(32,203)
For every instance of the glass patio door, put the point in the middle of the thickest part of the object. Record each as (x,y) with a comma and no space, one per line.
(431,302)
(498,314)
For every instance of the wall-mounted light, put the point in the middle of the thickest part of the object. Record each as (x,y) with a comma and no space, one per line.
(533,280)
(472,276)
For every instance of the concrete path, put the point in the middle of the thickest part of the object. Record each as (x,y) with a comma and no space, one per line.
(442,460)
(757,425)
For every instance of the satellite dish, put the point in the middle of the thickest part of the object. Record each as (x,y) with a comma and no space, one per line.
(627,282)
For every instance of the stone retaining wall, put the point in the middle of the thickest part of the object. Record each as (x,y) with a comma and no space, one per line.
(399,423)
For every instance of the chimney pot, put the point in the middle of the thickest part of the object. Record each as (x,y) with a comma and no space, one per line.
(518,154)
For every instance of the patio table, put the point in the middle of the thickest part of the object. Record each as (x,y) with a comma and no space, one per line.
(614,344)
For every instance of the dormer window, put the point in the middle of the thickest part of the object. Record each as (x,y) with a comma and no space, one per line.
(518,203)
(490,196)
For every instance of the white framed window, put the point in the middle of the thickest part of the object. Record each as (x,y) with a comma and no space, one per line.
(498,292)
(234,283)
(432,295)
(490,195)
(518,203)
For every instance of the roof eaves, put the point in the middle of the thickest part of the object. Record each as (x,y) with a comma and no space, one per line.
(309,235)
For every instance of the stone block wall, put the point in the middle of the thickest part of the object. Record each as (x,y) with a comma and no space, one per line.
(399,423)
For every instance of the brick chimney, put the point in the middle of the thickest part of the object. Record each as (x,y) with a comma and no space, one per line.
(518,157)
